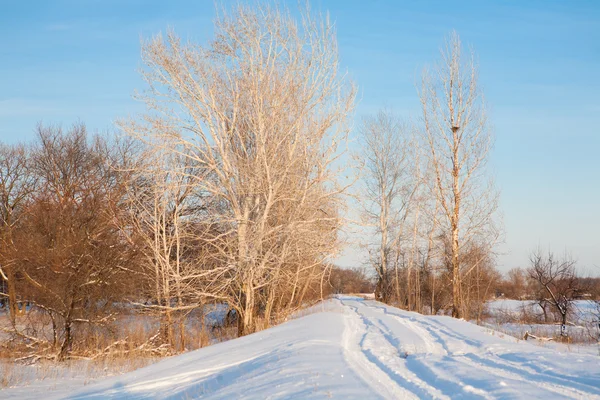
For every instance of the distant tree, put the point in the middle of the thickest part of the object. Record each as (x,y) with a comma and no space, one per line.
(515,285)
(350,280)
(557,283)
(389,188)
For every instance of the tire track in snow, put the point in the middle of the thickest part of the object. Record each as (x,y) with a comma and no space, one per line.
(405,379)
(554,384)
(432,346)
(443,335)
(373,376)
(492,362)
(588,382)
(447,385)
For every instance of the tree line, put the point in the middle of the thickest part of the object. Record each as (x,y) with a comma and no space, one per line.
(430,200)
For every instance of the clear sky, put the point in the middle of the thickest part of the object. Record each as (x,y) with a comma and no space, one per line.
(70,60)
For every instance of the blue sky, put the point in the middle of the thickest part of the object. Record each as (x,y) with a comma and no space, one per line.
(64,61)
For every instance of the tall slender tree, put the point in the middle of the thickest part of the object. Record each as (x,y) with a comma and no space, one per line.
(389,187)
(458,138)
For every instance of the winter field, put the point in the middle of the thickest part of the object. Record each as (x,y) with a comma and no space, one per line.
(516,317)
(353,348)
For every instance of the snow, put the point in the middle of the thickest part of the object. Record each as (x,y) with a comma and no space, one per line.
(356,348)
(585,310)
(515,317)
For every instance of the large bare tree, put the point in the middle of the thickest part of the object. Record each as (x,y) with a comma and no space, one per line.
(263,110)
(458,138)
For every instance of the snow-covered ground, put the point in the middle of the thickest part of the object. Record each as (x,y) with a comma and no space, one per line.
(582,309)
(515,317)
(355,348)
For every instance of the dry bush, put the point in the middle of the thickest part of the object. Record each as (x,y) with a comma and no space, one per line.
(9,375)
(347,281)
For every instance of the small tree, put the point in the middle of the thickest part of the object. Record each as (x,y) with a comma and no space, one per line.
(68,249)
(478,278)
(164,219)
(557,282)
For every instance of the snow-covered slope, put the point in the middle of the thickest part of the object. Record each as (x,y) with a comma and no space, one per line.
(360,349)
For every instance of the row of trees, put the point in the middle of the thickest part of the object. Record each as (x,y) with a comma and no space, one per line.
(427,195)
(429,198)
(223,192)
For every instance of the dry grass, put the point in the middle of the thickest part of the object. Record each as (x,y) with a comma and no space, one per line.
(14,374)
(126,344)
(123,346)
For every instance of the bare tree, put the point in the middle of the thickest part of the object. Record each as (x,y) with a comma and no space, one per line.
(67,249)
(558,283)
(389,186)
(165,220)
(263,110)
(16,186)
(458,140)
(478,279)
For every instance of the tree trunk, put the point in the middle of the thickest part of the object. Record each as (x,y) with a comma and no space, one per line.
(54,329)
(269,308)
(168,328)
(67,342)
(246,319)
(382,289)
(456,311)
(12,296)
(544,312)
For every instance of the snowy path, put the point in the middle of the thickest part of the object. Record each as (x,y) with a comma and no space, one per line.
(439,357)
(357,349)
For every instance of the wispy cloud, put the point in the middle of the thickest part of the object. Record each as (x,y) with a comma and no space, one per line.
(15,107)
(59,27)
